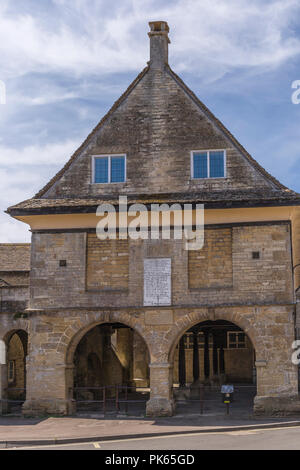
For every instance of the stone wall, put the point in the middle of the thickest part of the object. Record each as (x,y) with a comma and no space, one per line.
(107,264)
(200,278)
(211,266)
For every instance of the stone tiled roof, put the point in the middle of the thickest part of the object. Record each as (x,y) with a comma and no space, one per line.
(218,198)
(14,257)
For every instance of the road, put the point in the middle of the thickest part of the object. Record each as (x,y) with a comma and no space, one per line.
(271,439)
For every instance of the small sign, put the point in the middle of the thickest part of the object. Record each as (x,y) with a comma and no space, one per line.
(227,389)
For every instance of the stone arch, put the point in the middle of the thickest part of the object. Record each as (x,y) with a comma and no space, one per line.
(16,345)
(188,321)
(16,326)
(22,334)
(78,331)
(74,378)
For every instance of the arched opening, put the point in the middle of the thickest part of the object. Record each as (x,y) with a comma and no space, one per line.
(211,354)
(111,370)
(16,352)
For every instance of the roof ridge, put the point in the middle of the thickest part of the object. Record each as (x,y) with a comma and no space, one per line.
(252,161)
(91,134)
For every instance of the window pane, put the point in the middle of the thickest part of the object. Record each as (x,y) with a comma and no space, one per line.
(101,170)
(117,169)
(232,337)
(216,164)
(200,165)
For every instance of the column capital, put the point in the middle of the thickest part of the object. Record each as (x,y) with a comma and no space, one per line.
(161,365)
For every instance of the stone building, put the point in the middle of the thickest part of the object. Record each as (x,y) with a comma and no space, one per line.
(148,311)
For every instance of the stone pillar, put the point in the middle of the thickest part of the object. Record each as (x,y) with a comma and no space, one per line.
(222,360)
(195,357)
(206,354)
(161,401)
(195,387)
(3,389)
(125,353)
(49,386)
(140,361)
(277,381)
(215,358)
(181,363)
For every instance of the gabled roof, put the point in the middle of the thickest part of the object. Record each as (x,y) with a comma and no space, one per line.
(275,194)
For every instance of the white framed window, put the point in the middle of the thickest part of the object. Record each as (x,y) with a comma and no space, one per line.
(108,169)
(236,339)
(208,164)
(189,340)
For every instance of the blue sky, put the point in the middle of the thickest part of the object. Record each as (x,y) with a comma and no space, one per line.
(64,63)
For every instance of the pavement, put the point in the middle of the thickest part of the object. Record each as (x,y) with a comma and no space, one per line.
(18,431)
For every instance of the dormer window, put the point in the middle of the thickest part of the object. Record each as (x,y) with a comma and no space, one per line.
(208,164)
(109,168)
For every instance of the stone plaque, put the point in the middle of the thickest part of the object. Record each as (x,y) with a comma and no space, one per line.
(157,281)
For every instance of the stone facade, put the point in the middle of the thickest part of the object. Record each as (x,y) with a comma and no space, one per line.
(243,274)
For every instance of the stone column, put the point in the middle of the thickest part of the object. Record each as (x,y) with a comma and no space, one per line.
(215,358)
(161,401)
(181,364)
(49,384)
(222,360)
(140,361)
(195,357)
(206,354)
(277,381)
(125,353)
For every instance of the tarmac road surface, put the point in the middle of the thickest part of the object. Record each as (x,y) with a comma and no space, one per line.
(259,439)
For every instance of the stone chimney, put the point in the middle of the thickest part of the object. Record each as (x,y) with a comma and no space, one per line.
(159,41)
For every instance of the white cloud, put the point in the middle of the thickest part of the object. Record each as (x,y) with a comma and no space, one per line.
(87,39)
(22,173)
(50,154)
(211,36)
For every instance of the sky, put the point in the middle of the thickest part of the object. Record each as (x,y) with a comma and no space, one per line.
(64,63)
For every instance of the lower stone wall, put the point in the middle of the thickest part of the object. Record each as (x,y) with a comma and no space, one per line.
(54,336)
